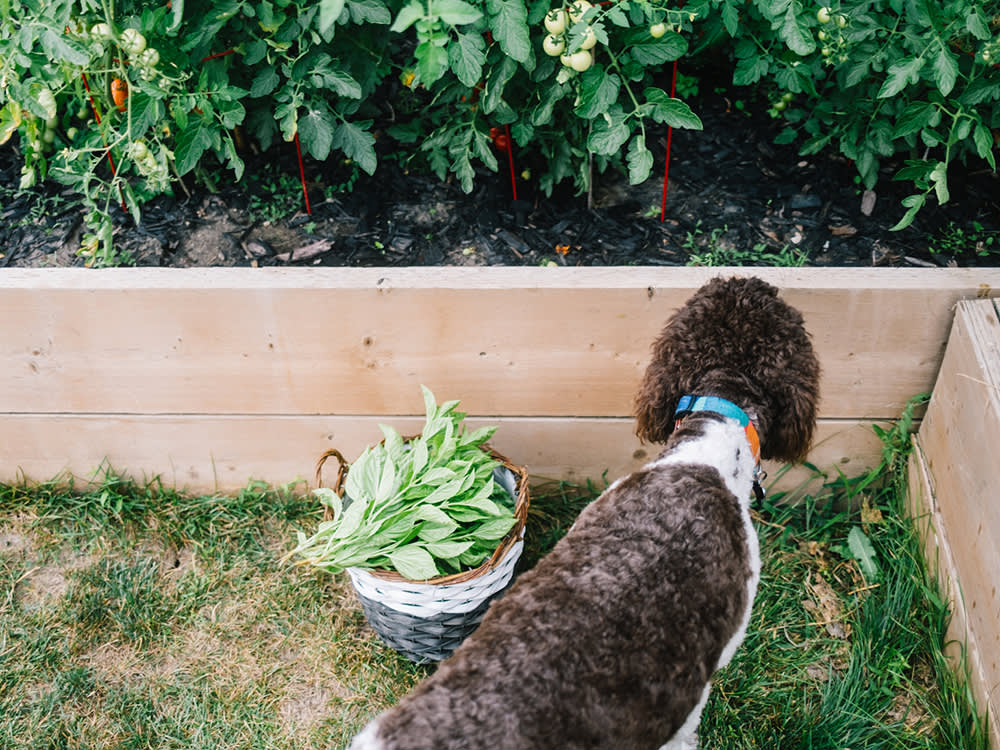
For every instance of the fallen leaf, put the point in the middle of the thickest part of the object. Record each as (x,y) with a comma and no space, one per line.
(870,515)
(825,607)
(843,230)
(868,199)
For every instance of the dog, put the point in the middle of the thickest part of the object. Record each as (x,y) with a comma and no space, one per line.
(611,640)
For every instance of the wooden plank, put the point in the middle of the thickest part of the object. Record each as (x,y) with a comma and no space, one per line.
(959,437)
(961,645)
(222,453)
(507,341)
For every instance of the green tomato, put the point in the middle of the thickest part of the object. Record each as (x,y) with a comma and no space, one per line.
(580,61)
(553,45)
(578,9)
(555,21)
(787,96)
(589,39)
(132,41)
(657,30)
(101,31)
(149,58)
(841,21)
(823,15)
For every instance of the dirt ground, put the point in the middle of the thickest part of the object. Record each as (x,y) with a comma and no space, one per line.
(733,194)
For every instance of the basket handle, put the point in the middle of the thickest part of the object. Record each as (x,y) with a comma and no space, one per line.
(338,484)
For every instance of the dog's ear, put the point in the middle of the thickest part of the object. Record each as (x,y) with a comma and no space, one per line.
(793,411)
(656,401)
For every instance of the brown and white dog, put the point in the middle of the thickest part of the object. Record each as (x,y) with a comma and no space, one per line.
(610,642)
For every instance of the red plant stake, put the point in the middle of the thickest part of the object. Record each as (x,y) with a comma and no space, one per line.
(510,159)
(302,173)
(670,132)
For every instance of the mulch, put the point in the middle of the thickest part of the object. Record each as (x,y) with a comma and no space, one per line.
(731,190)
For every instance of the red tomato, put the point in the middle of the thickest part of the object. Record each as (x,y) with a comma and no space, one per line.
(119,92)
(502,142)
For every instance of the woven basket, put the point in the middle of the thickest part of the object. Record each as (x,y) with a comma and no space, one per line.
(427,620)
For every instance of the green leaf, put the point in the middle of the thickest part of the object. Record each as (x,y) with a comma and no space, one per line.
(369,11)
(329,12)
(466,57)
(448,550)
(351,520)
(914,118)
(730,17)
(640,160)
(945,70)
(915,203)
(494,529)
(608,136)
(265,82)
(509,24)
(975,24)
(316,128)
(749,70)
(60,49)
(192,142)
(863,551)
(455,12)
(331,500)
(414,562)
(176,15)
(432,62)
(669,110)
(650,51)
(408,15)
(598,91)
(796,32)
(939,179)
(901,74)
(983,138)
(357,143)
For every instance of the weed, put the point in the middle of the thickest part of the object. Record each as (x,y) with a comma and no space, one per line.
(716,251)
(958,241)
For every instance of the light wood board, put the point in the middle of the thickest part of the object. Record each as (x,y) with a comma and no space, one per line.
(954,488)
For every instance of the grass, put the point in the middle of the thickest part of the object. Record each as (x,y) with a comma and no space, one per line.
(135,617)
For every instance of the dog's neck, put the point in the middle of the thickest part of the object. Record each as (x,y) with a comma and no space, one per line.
(692,404)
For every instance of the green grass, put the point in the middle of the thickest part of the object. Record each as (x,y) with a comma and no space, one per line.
(135,617)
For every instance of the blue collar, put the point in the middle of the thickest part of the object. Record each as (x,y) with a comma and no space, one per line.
(688,404)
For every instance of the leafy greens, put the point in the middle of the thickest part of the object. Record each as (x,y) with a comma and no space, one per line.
(423,507)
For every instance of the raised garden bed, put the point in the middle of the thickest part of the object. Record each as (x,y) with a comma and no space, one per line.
(210,378)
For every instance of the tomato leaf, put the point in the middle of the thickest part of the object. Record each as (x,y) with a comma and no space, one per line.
(901,74)
(357,143)
(945,70)
(640,160)
(796,31)
(983,138)
(509,23)
(329,12)
(648,50)
(661,107)
(192,142)
(598,91)
(455,12)
(466,56)
(408,15)
(609,134)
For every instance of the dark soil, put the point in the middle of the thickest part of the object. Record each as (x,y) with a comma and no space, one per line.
(734,197)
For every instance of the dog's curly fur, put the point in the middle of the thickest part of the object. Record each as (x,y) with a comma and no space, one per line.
(612,639)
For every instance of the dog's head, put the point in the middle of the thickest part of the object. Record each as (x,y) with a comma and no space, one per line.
(737,340)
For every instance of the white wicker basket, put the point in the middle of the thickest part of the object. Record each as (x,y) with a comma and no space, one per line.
(427,620)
